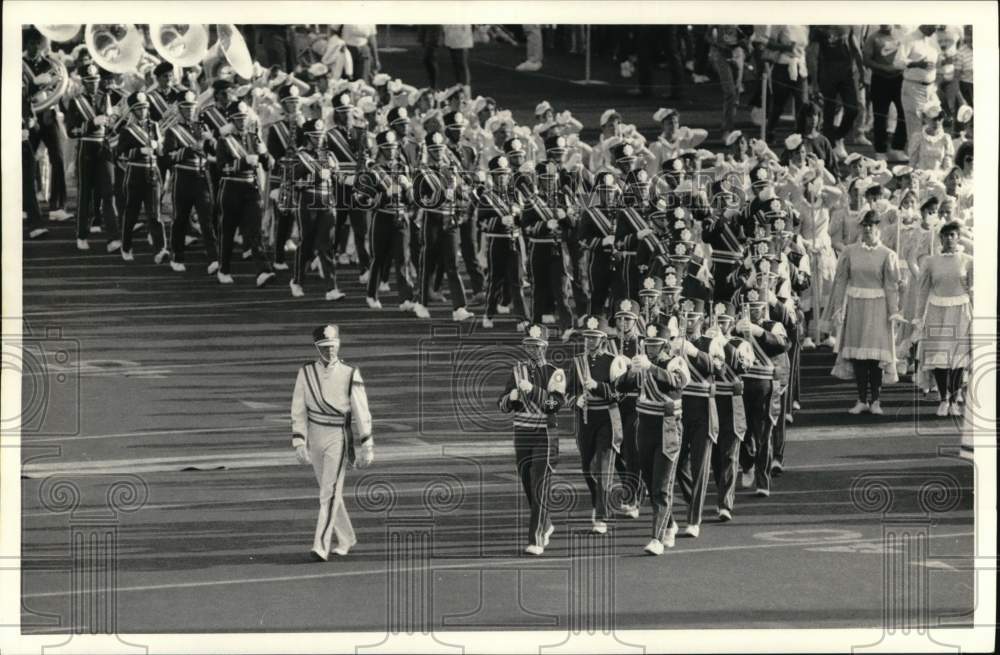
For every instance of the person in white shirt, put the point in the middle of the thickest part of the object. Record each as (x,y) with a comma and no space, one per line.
(362,43)
(917,57)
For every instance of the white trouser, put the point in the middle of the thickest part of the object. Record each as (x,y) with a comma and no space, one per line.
(913,96)
(533,35)
(327,449)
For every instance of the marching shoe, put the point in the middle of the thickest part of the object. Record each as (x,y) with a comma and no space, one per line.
(830,342)
(383,287)
(213,268)
(548,319)
(160,256)
(528,66)
(462,314)
(725,515)
(335,294)
(534,550)
(808,344)
(406,306)
(763,493)
(487,323)
(789,418)
(796,405)
(81,244)
(59,215)
(670,539)
(654,547)
(876,408)
(631,511)
(297,291)
(264,278)
(692,531)
(314,264)
(316,557)
(114,245)
(280,266)
(373,303)
(503,309)
(522,326)
(959,398)
(341,550)
(290,246)
(674,528)
(421,311)
(942,409)
(567,335)
(746,479)
(127,255)
(96,229)
(38,232)
(178,267)
(548,533)
(955,410)
(189,239)
(247,254)
(777,468)
(363,278)
(343,259)
(596,525)
(858,408)
(862,140)
(435,296)
(224,278)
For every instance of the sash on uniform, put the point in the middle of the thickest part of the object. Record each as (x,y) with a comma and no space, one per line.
(713,410)
(185,137)
(284,135)
(85,108)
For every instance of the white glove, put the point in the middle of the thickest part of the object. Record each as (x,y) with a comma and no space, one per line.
(515,209)
(507,220)
(252,160)
(275,194)
(146,151)
(525,386)
(24,135)
(154,144)
(918,323)
(324,174)
(581,401)
(552,225)
(302,454)
(514,395)
(608,240)
(101,120)
(404,182)
(644,362)
(643,233)
(43,78)
(743,325)
(560,214)
(226,129)
(261,149)
(590,385)
(365,455)
(897,318)
(772,298)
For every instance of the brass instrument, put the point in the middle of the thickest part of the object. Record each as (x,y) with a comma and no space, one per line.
(115,47)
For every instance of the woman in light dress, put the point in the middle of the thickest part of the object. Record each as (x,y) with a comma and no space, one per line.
(932,149)
(864,305)
(945,291)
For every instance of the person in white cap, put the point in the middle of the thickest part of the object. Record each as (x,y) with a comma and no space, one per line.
(329,396)
(673,139)
(917,56)
(533,38)
(600,156)
(931,149)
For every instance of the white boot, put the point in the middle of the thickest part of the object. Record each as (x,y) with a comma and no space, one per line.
(335,294)
(421,311)
(178,267)
(81,244)
(462,314)
(373,303)
(859,407)
(297,291)
(808,344)
(654,547)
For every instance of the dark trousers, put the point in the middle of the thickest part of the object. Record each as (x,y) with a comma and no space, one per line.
(783,88)
(626,281)
(468,236)
(601,279)
(285,219)
(362,62)
(537,455)
(548,274)
(316,226)
(358,221)
(593,438)
(839,88)
(886,91)
(694,466)
(192,191)
(141,187)
(504,273)
(459,65)
(239,204)
(440,252)
(578,258)
(627,461)
(390,247)
(657,467)
(48,132)
(29,201)
(726,452)
(756,450)
(95,175)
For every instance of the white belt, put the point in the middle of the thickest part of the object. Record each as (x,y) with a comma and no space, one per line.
(948,301)
(862,292)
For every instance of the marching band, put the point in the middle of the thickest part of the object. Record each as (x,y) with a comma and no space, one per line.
(694,278)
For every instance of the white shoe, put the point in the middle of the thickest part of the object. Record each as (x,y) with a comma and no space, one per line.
(567,334)
(114,245)
(280,266)
(290,246)
(297,291)
(789,418)
(247,254)
(335,294)
(363,278)
(830,342)
(670,539)
(862,140)
(943,408)
(341,550)
(406,306)
(596,525)
(81,244)
(503,309)
(317,556)
(876,408)
(959,398)
(384,287)
(700,79)
(160,256)
(692,531)
(839,150)
(462,314)
(631,511)
(344,259)
(534,550)
(314,264)
(224,278)
(548,533)
(238,239)
(796,405)
(128,256)
(178,267)
(487,323)
(746,479)
(859,407)
(725,515)
(654,547)
(955,410)
(528,66)
(898,155)
(59,215)
(548,319)
(264,278)
(213,268)
(522,326)
(420,311)
(763,493)
(808,344)
(96,229)
(373,303)
(37,232)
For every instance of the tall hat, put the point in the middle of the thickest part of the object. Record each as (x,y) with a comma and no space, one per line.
(499,164)
(314,126)
(513,147)
(680,224)
(753,299)
(606,181)
(324,335)
(760,175)
(555,145)
(592,327)
(628,308)
(673,166)
(623,153)
(163,67)
(723,311)
(680,253)
(660,333)
(542,107)
(342,102)
(546,169)
(638,177)
(693,308)
(608,115)
(237,110)
(289,93)
(386,139)
(89,73)
(138,99)
(397,115)
(652,287)
(663,113)
(454,119)
(434,141)
(536,335)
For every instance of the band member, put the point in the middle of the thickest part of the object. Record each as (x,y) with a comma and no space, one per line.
(87,119)
(36,223)
(385,188)
(498,215)
(160,98)
(314,177)
(328,396)
(139,143)
(625,343)
(466,157)
(282,140)
(597,234)
(534,394)
(547,219)
(41,73)
(599,432)
(347,140)
(189,146)
(242,159)
(441,197)
(658,373)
